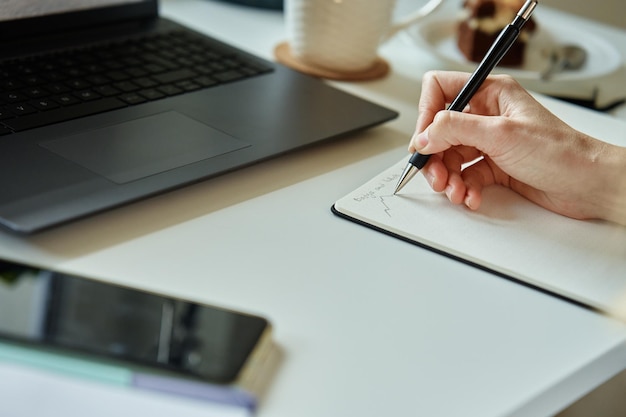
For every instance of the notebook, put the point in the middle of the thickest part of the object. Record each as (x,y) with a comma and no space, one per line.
(579,261)
(104,102)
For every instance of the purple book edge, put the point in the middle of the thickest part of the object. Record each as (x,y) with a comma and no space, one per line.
(198,390)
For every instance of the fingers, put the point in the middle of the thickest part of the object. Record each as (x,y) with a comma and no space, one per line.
(496,97)
(476,177)
(436,173)
(456,188)
(436,92)
(438,89)
(461,186)
(500,113)
(450,129)
(443,179)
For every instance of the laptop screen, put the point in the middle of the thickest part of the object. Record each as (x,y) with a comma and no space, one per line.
(21,9)
(22,18)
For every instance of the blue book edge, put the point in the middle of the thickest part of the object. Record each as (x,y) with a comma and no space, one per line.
(121,376)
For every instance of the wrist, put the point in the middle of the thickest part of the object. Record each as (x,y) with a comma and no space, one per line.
(612,199)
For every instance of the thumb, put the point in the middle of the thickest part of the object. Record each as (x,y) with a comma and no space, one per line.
(451,128)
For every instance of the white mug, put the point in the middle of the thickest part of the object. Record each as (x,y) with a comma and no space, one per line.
(343,35)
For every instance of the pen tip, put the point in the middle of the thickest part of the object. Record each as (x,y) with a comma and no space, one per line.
(407,175)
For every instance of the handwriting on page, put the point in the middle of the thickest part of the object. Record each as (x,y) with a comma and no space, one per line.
(380,191)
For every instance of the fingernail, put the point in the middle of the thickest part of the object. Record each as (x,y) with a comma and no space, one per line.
(413,142)
(469,202)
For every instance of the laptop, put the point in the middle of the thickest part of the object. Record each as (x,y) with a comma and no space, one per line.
(104,102)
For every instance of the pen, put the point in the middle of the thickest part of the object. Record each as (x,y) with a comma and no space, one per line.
(501,45)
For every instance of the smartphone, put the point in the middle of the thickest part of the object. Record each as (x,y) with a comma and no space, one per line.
(70,314)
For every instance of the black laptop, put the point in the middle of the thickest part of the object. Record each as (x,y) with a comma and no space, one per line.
(102,103)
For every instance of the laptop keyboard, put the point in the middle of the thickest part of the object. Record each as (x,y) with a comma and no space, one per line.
(46,89)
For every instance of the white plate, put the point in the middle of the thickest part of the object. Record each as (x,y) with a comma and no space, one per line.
(439,36)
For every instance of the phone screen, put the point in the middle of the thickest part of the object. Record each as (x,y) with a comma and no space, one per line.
(62,311)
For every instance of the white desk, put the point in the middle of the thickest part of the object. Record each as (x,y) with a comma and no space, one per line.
(361,334)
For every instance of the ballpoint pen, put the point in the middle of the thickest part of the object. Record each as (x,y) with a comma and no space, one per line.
(501,45)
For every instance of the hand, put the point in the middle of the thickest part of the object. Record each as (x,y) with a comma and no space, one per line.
(514,142)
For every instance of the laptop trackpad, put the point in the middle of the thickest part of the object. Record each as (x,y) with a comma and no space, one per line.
(138,148)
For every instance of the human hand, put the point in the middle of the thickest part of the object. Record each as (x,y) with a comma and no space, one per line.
(514,142)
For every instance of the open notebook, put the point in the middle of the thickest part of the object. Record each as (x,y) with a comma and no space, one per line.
(583,261)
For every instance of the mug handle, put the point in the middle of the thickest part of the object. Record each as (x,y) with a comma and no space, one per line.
(407,21)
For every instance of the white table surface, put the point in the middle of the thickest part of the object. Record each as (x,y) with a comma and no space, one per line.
(361,333)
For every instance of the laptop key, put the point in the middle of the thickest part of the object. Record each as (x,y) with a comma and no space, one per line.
(132,98)
(151,94)
(66,99)
(21,109)
(227,76)
(169,90)
(118,75)
(173,76)
(145,82)
(35,92)
(188,85)
(87,95)
(12,97)
(62,114)
(10,84)
(205,81)
(5,114)
(78,84)
(126,86)
(43,104)
(107,90)
(97,79)
(57,88)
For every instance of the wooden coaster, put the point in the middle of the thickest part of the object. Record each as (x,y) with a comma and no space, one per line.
(379,69)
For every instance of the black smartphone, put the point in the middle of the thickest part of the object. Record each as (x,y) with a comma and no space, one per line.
(65,313)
